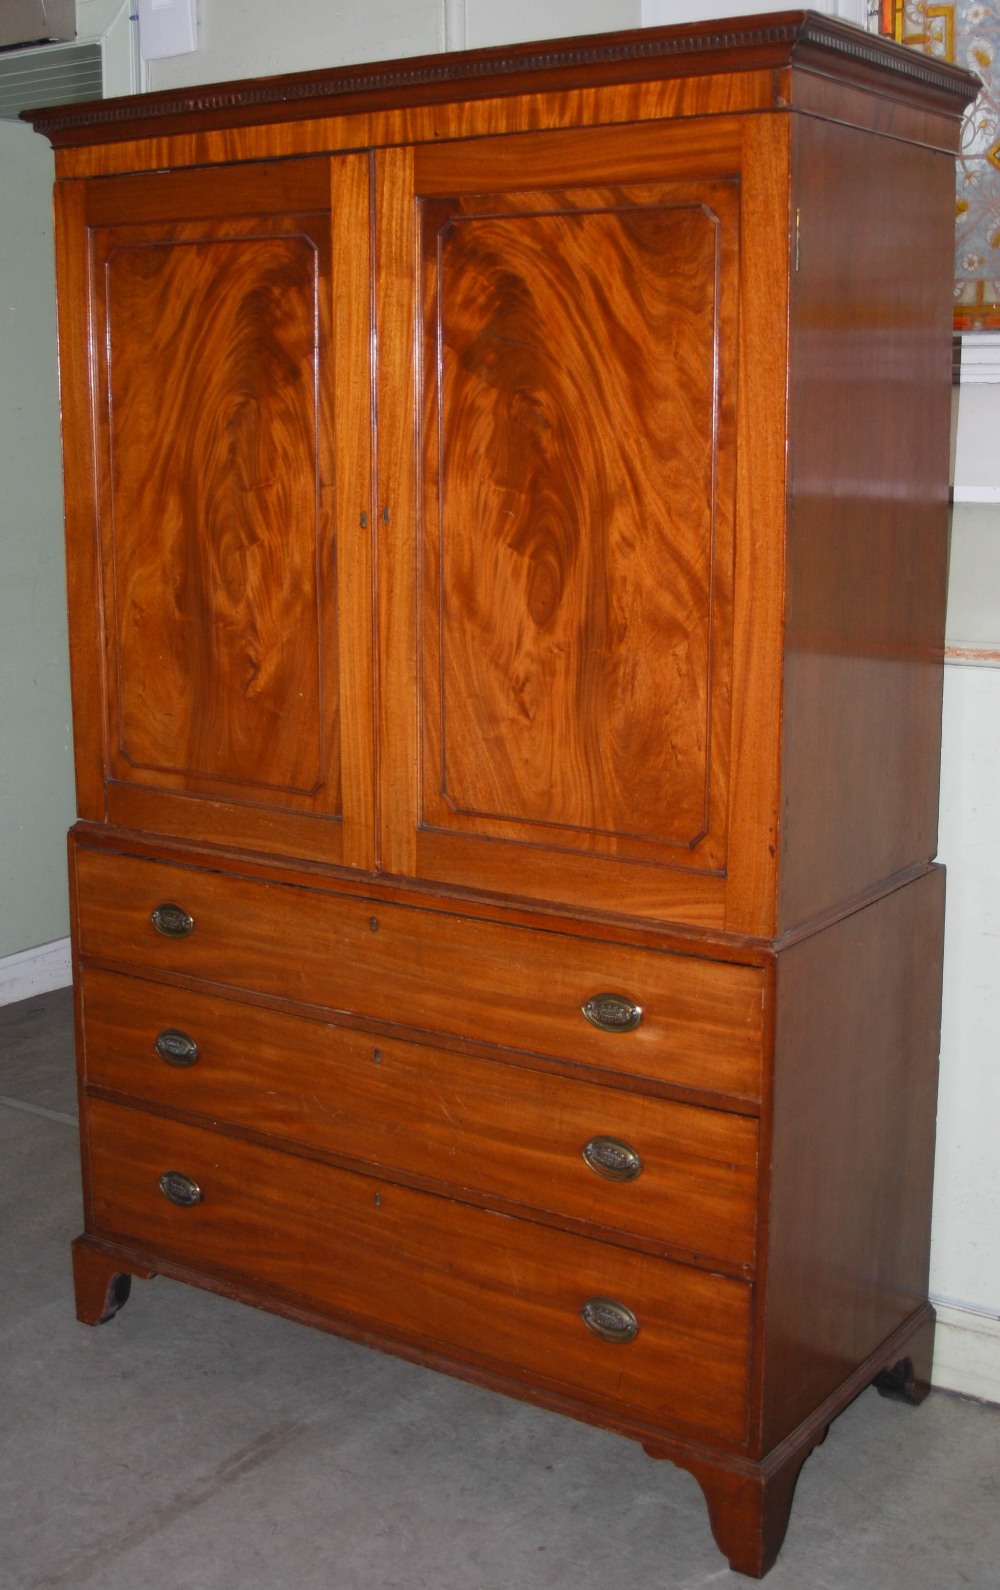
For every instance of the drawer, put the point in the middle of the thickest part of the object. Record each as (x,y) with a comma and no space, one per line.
(506,1130)
(432,970)
(483,1288)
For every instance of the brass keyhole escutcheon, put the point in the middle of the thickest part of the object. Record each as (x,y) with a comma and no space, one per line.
(180,1189)
(176,1048)
(611,1157)
(612,1012)
(172,920)
(610,1320)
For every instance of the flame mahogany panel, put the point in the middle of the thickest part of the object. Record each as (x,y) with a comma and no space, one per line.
(217,418)
(577,522)
(435,971)
(213,431)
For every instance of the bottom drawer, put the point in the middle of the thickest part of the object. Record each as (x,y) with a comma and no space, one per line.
(482,1287)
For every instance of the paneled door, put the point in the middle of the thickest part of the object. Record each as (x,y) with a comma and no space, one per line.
(229,388)
(575,317)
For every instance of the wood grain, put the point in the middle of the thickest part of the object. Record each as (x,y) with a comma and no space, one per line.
(434,971)
(549,663)
(867,532)
(568,655)
(490,1129)
(758,586)
(214,439)
(851,1144)
(570,109)
(84,580)
(394,253)
(484,1287)
(224,526)
(353,496)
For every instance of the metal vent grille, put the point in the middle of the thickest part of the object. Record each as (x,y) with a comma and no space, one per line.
(59,74)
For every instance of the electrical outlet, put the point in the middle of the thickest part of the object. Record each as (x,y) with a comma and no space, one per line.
(167,27)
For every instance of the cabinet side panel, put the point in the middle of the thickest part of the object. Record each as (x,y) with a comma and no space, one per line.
(858,1012)
(868,497)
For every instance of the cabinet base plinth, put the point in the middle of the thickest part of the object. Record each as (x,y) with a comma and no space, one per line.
(748,1507)
(749,1503)
(908,1378)
(101,1284)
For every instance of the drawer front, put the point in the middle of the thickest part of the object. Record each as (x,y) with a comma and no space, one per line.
(506,1130)
(432,970)
(482,1287)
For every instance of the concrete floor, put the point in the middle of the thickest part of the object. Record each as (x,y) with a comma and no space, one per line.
(196,1444)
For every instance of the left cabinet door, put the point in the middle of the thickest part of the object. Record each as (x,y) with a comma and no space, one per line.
(216,350)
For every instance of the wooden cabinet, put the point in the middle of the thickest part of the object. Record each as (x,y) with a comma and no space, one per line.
(506,517)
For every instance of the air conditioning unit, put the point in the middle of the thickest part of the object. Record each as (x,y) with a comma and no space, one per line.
(36,22)
(40,62)
(59,74)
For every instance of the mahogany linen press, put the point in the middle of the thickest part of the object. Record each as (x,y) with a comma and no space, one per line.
(506,499)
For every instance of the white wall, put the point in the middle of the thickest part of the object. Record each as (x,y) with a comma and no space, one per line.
(36,772)
(257,38)
(247,38)
(490,23)
(965,1254)
(660,13)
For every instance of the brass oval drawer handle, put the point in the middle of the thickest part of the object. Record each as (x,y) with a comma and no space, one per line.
(612,1158)
(176,1047)
(611,1321)
(180,1189)
(612,1012)
(172,920)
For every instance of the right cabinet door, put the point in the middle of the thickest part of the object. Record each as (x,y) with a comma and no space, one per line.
(575,311)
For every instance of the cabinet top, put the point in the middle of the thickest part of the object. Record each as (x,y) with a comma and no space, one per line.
(813,42)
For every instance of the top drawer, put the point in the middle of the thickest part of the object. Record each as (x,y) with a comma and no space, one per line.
(431,970)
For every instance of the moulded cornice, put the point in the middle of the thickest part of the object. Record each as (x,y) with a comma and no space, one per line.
(771,41)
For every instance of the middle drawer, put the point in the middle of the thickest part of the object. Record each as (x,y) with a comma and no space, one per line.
(502,1130)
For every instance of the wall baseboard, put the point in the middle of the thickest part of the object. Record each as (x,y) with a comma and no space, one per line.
(967,1352)
(35,971)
